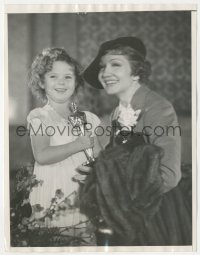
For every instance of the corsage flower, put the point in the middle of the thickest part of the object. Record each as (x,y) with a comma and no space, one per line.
(128,117)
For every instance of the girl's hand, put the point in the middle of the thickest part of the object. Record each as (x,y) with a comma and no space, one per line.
(86,141)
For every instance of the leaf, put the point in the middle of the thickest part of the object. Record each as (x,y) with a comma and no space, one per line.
(26,210)
(37,208)
(59,193)
(54,200)
(25,221)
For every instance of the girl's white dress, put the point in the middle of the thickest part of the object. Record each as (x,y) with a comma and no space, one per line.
(57,177)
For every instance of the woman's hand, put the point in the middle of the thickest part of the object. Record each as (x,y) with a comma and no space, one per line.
(86,141)
(84,170)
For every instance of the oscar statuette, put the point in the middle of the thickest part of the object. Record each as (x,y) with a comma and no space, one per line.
(78,120)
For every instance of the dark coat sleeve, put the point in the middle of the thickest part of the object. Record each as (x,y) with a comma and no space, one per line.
(163,130)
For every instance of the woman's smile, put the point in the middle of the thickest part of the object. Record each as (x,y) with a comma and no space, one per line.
(110,81)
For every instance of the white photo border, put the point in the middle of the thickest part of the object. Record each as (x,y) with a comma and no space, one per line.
(99,8)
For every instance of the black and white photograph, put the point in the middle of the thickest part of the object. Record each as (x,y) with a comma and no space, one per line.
(101,122)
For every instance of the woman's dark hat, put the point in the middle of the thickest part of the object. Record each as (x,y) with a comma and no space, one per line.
(91,72)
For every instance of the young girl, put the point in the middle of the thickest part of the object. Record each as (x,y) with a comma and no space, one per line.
(58,150)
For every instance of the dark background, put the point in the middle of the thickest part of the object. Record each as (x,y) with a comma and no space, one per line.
(167,36)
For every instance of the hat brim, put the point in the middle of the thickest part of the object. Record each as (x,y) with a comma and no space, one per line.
(91,73)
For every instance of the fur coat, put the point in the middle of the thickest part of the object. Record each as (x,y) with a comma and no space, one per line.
(124,187)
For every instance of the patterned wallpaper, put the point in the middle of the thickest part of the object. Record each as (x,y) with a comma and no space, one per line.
(167,38)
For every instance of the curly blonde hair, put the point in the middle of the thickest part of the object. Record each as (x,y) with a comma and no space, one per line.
(43,63)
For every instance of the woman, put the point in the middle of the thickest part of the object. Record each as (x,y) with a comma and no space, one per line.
(131,187)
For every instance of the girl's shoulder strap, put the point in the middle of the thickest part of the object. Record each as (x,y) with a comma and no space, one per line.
(40,113)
